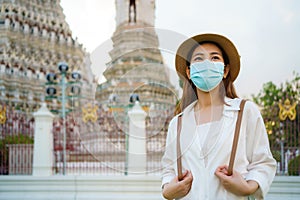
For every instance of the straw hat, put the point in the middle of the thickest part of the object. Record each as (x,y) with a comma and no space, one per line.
(228,47)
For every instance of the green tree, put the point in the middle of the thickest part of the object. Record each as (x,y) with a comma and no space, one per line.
(271,94)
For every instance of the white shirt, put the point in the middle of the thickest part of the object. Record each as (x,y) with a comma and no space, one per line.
(253,158)
(207,136)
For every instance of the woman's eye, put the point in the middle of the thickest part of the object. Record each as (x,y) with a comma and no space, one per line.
(215,58)
(198,59)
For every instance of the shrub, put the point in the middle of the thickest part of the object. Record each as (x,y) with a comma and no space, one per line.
(294,166)
(16,139)
(277,155)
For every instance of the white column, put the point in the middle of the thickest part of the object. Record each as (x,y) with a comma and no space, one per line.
(137,154)
(43,142)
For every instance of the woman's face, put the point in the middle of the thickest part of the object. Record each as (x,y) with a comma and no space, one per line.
(210,52)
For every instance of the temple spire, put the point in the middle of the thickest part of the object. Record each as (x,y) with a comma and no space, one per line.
(137,12)
(136,65)
(132,11)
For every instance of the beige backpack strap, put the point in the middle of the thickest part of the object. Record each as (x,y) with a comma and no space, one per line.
(179,166)
(236,137)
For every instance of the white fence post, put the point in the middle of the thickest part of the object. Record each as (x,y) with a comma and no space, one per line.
(137,154)
(43,142)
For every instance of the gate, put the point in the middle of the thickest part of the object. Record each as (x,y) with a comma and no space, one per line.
(284,138)
(16,140)
(100,146)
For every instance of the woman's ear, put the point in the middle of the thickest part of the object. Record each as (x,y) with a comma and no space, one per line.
(226,71)
(187,71)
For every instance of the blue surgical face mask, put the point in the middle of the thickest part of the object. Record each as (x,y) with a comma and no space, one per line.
(206,75)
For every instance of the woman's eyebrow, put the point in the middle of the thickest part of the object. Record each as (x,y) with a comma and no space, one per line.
(215,53)
(211,53)
(198,54)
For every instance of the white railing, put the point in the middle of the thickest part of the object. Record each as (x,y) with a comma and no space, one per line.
(20,159)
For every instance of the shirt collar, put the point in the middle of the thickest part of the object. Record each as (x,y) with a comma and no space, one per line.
(231,105)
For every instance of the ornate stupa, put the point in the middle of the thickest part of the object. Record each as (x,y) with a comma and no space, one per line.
(136,66)
(137,71)
(34,38)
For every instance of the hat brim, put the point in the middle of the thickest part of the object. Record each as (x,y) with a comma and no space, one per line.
(227,46)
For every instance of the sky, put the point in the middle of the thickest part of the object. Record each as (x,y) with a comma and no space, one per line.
(265,32)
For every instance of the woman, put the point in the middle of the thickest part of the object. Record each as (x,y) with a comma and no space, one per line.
(208,64)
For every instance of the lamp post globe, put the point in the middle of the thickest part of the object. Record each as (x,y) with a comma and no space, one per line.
(75,90)
(51,91)
(134,97)
(76,76)
(63,67)
(51,77)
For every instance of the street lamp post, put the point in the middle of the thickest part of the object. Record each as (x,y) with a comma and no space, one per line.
(132,99)
(51,92)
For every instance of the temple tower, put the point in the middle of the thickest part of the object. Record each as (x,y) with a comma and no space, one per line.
(136,65)
(34,38)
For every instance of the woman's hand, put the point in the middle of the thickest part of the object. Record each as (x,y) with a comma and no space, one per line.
(178,189)
(235,183)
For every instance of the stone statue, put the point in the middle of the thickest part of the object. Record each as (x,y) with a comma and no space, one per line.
(132,11)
